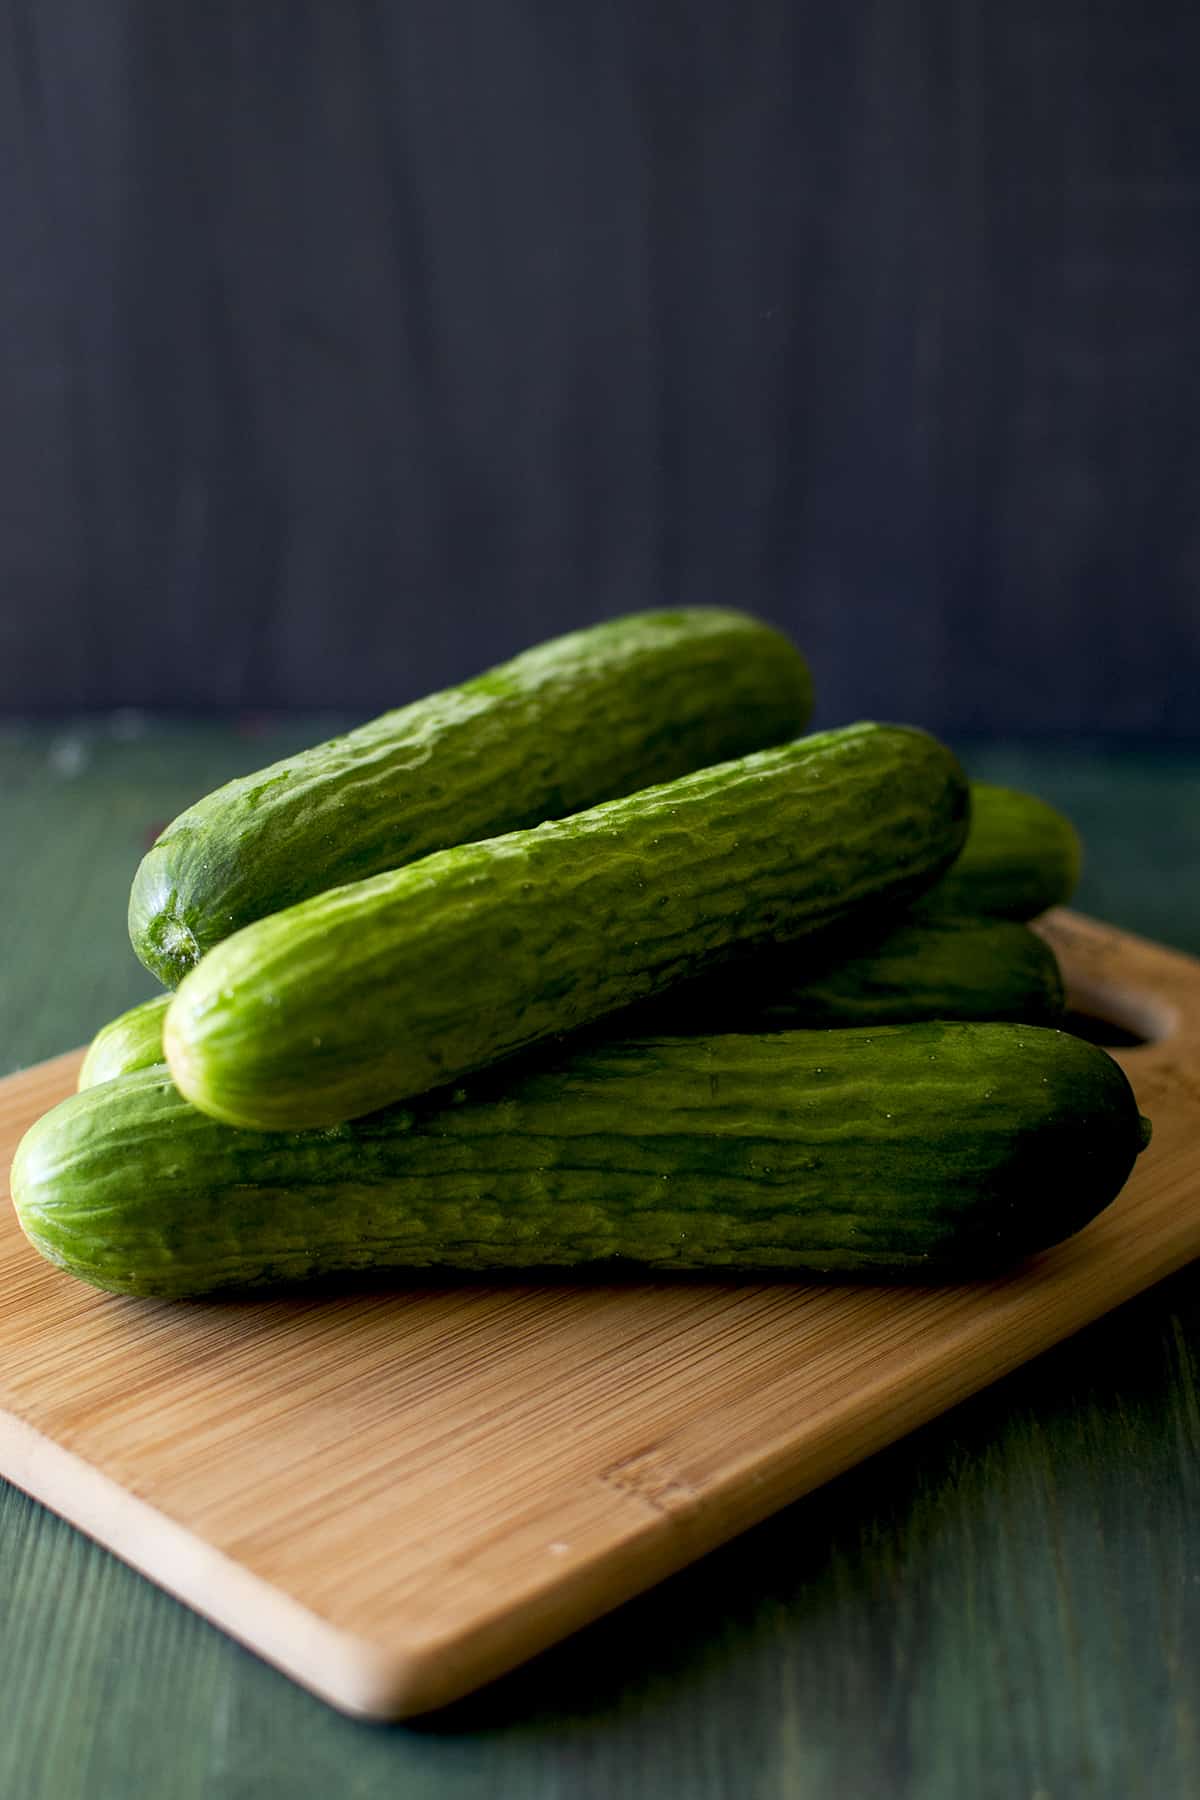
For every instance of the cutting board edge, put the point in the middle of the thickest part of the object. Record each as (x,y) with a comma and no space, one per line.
(349,1671)
(404,1679)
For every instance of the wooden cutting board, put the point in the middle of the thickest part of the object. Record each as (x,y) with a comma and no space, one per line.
(397,1495)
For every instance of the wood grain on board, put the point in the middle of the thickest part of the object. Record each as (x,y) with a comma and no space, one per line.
(395,1495)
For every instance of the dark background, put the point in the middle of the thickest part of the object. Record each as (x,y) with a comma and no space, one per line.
(346,347)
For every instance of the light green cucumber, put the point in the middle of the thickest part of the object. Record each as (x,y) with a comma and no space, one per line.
(131,1041)
(938,1150)
(572,722)
(1020,857)
(934,969)
(385,988)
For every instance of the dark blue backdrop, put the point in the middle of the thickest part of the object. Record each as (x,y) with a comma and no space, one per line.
(349,345)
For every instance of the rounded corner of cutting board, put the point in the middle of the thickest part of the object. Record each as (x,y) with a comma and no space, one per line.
(380,1686)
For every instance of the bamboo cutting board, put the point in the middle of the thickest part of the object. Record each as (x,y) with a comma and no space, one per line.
(397,1495)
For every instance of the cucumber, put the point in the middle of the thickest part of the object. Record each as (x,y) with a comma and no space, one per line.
(131,1041)
(940,1150)
(1021,857)
(921,969)
(578,720)
(385,988)
(934,969)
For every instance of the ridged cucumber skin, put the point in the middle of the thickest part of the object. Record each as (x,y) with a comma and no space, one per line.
(387,988)
(581,719)
(1021,857)
(933,969)
(131,1041)
(921,969)
(940,1150)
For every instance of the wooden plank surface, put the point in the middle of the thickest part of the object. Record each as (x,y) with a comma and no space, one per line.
(396,1495)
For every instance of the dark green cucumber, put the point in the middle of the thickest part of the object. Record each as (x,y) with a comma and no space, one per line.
(1021,857)
(386,988)
(131,1041)
(943,1150)
(921,969)
(578,720)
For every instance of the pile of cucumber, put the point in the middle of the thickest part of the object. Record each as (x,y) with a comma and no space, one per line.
(595,960)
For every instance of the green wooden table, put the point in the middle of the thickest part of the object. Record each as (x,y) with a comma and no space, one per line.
(1005,1604)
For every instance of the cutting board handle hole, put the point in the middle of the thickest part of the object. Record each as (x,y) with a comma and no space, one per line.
(1116,1018)
(1105,1032)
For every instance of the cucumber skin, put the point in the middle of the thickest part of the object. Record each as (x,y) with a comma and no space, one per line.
(387,988)
(1022,856)
(936,1150)
(984,969)
(131,1041)
(935,969)
(583,718)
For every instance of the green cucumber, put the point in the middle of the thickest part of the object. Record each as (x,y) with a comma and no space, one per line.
(131,1041)
(581,719)
(920,969)
(940,1150)
(930,969)
(385,988)
(1021,857)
